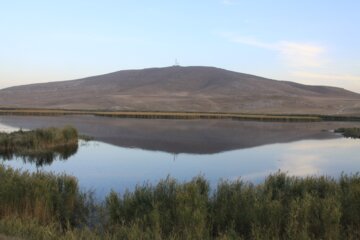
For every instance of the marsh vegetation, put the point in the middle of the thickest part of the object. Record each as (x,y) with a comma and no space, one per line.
(40,146)
(48,206)
(349,132)
(267,117)
(43,205)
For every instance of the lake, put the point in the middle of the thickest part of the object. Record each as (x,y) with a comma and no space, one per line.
(127,152)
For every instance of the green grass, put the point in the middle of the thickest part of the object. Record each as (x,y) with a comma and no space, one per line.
(41,197)
(37,140)
(41,145)
(48,206)
(281,208)
(349,132)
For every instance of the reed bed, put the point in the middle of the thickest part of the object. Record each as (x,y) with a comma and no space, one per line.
(232,116)
(282,207)
(37,141)
(48,206)
(41,197)
(40,146)
(349,132)
(177,115)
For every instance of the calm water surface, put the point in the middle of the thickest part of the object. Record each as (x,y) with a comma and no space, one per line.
(129,152)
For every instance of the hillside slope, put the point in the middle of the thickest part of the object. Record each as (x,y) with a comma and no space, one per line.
(183,89)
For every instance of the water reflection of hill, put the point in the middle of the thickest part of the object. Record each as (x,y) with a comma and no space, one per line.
(183,136)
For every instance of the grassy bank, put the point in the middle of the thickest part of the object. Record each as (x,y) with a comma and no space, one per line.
(179,115)
(42,112)
(163,115)
(48,206)
(232,116)
(349,132)
(40,145)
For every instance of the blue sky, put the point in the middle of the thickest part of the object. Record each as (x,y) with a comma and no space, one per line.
(312,42)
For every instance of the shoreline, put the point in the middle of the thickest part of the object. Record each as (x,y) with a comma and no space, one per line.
(179,115)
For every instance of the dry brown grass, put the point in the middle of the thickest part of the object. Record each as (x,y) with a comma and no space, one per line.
(161,115)
(3,237)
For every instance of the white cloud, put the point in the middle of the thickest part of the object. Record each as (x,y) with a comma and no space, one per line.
(317,145)
(347,81)
(306,63)
(302,54)
(320,76)
(229,2)
(303,165)
(294,54)
(250,41)
(257,175)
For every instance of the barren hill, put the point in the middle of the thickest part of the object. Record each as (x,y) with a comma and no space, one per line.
(178,88)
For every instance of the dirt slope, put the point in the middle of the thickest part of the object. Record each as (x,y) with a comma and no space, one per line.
(184,89)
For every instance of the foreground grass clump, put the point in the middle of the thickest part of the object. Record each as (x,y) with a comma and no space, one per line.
(48,206)
(44,198)
(349,132)
(281,208)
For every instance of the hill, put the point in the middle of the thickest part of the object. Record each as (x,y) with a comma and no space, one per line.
(178,88)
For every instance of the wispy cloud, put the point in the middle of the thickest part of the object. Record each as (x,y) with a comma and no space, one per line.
(302,54)
(250,41)
(229,2)
(316,145)
(307,63)
(347,81)
(303,165)
(341,77)
(295,54)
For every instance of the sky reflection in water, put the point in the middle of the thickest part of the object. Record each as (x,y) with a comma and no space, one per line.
(101,167)
(186,148)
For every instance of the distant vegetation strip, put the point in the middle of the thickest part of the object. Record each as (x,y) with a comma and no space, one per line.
(41,112)
(178,115)
(159,115)
(170,115)
(49,206)
(349,132)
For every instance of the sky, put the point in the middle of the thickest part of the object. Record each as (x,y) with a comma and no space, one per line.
(311,42)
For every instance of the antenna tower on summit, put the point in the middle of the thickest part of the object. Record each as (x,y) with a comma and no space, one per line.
(176,64)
